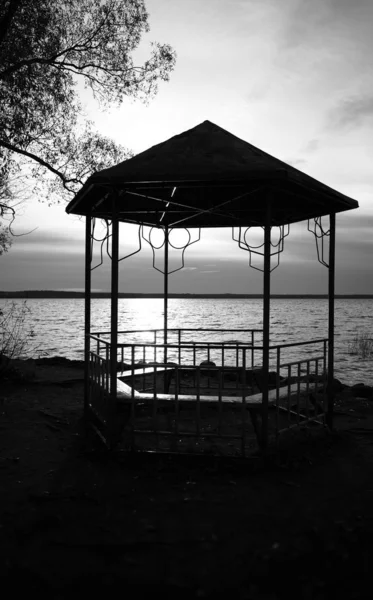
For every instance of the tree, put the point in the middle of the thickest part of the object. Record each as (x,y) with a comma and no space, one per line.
(15,190)
(5,204)
(47,48)
(5,238)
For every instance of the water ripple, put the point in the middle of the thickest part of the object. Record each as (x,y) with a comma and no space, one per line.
(59,323)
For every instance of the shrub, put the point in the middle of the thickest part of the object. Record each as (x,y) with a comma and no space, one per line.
(15,334)
(361,345)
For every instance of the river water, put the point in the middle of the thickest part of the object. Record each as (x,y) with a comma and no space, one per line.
(58,324)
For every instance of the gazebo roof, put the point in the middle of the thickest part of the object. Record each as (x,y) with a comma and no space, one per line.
(206,177)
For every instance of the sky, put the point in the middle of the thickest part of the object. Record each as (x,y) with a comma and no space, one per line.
(294,78)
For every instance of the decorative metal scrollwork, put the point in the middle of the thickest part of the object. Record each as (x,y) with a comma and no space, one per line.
(259,250)
(320,234)
(105,241)
(183,247)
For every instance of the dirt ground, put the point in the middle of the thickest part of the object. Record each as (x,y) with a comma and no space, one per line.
(78,522)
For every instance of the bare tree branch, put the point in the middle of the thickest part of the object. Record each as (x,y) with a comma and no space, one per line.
(42,162)
(45,46)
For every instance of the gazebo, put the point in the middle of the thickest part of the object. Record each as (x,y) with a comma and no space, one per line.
(203,178)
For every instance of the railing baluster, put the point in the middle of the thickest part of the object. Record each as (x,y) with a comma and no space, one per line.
(198,402)
(316,385)
(325,358)
(220,406)
(298,393)
(223,360)
(133,367)
(289,394)
(243,415)
(179,344)
(177,383)
(107,355)
(133,418)
(278,360)
(100,372)
(325,399)
(252,349)
(308,389)
(155,406)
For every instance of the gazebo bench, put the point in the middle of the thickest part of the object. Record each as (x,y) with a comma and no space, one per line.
(148,369)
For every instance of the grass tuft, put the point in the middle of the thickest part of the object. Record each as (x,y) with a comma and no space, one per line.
(361,345)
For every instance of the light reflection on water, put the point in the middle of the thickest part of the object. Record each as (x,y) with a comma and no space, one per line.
(59,323)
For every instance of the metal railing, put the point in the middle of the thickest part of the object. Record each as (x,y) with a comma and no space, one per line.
(311,400)
(203,402)
(177,338)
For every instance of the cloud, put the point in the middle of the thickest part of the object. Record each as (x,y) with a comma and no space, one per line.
(351,112)
(355,222)
(328,20)
(296,161)
(258,91)
(312,146)
(48,241)
(327,45)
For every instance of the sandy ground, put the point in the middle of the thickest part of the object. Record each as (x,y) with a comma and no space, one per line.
(77,522)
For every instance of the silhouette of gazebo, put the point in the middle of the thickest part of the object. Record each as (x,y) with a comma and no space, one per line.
(202,178)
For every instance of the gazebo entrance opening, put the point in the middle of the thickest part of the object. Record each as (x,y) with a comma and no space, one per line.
(205,390)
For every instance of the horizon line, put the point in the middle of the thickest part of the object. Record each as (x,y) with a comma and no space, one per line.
(81,294)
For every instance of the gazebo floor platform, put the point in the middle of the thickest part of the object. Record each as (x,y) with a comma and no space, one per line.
(188,409)
(209,424)
(125,393)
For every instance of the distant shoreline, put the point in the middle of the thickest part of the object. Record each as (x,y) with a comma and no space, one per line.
(97,295)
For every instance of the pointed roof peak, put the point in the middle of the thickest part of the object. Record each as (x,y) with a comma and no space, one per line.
(208,157)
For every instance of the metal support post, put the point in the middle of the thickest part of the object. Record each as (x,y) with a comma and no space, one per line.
(87,313)
(113,321)
(331,291)
(165,293)
(266,322)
